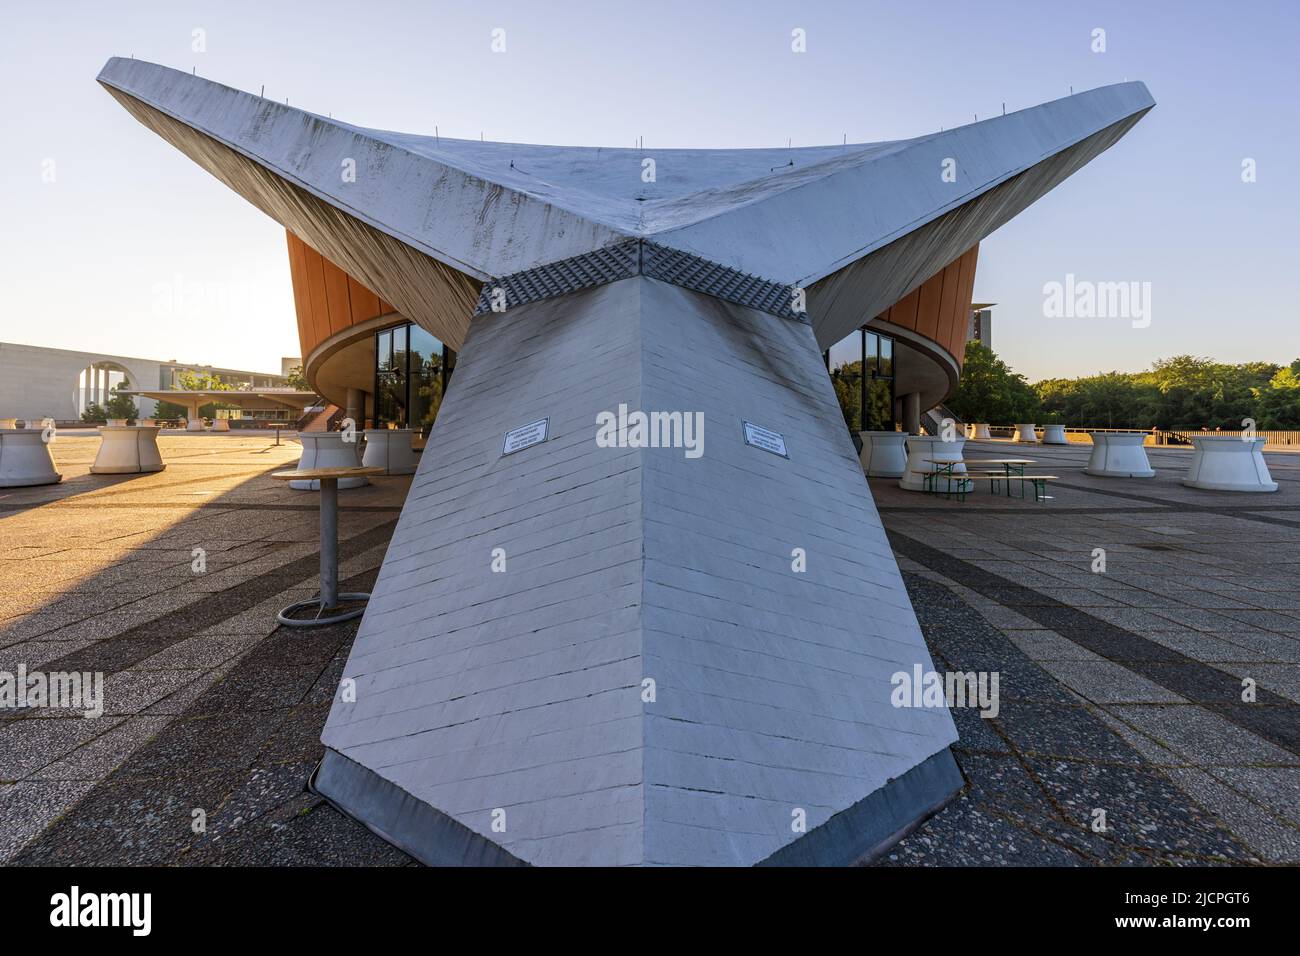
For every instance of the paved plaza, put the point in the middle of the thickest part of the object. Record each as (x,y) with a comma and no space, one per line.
(1120,690)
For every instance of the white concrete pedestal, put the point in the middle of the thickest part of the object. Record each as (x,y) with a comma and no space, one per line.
(922,452)
(884,454)
(328,450)
(1118,456)
(221,424)
(389,449)
(1025,433)
(1229,463)
(194,425)
(978,432)
(8,423)
(25,459)
(127,450)
(1054,435)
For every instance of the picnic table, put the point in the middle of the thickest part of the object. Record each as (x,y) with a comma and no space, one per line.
(328,602)
(1012,469)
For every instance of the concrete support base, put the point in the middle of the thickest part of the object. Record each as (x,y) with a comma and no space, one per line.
(1229,463)
(1054,435)
(1118,456)
(221,424)
(390,449)
(1026,433)
(598,650)
(884,454)
(922,452)
(25,459)
(328,450)
(978,432)
(194,425)
(127,450)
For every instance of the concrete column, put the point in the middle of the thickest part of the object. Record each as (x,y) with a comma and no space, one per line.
(912,413)
(356,407)
(628,563)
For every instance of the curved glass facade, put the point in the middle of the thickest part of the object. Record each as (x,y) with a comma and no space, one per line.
(412,369)
(861,366)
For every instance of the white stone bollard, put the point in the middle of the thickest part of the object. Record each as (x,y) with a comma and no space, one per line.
(127,450)
(221,424)
(390,449)
(1229,463)
(978,432)
(8,423)
(922,452)
(1054,435)
(194,425)
(1118,456)
(328,450)
(25,458)
(884,454)
(1025,433)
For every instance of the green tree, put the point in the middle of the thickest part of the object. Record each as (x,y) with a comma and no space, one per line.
(121,406)
(297,379)
(989,391)
(94,412)
(192,381)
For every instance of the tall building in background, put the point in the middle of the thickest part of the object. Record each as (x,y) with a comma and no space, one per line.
(593,642)
(981,324)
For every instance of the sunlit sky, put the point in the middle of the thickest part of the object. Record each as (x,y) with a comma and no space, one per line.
(94,259)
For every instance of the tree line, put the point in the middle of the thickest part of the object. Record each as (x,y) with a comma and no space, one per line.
(1183,392)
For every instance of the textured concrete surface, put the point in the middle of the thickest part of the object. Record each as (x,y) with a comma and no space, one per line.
(512,699)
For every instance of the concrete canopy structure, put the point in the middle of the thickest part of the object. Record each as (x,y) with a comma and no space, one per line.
(607,653)
(194,399)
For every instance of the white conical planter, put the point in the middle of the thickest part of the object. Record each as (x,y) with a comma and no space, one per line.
(25,458)
(978,432)
(127,450)
(1025,433)
(922,452)
(1118,456)
(1229,463)
(194,425)
(1054,435)
(328,450)
(221,424)
(389,449)
(884,454)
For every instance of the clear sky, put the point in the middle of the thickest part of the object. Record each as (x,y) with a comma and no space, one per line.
(132,249)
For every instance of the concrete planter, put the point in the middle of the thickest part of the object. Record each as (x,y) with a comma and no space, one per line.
(884,454)
(1026,433)
(25,459)
(328,450)
(1229,463)
(1054,435)
(8,423)
(221,424)
(389,449)
(1118,456)
(978,432)
(195,425)
(127,450)
(922,452)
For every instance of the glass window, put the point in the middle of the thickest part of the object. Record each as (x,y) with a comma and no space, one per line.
(871,350)
(384,351)
(425,380)
(886,356)
(846,376)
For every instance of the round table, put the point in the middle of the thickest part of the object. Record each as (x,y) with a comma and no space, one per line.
(884,454)
(1025,433)
(328,450)
(390,449)
(327,479)
(128,450)
(1117,455)
(1229,463)
(922,452)
(25,458)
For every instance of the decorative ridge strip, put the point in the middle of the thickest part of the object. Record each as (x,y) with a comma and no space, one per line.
(623,260)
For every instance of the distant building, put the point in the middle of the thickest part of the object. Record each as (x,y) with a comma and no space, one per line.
(38,382)
(981,324)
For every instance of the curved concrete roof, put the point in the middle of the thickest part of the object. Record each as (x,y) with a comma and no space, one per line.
(466,211)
